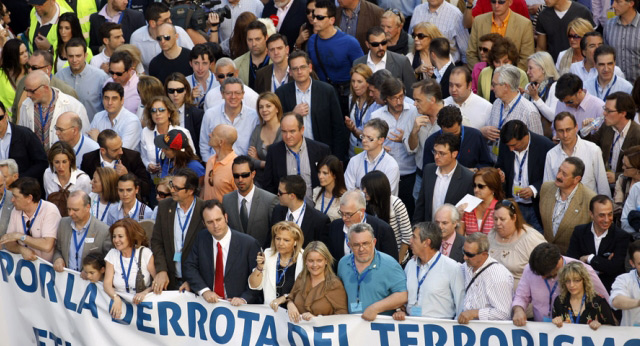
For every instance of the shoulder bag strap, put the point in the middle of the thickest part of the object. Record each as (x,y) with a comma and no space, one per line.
(315,47)
(476,276)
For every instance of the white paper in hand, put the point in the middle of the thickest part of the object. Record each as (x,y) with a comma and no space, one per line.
(472,202)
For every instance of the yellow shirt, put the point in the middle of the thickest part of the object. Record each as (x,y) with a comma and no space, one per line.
(500,29)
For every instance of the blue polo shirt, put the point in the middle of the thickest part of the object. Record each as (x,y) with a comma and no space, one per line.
(385,277)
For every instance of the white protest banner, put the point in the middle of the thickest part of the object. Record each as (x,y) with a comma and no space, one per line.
(42,307)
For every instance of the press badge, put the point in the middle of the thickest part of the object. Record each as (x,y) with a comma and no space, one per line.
(89,240)
(177,257)
(356,307)
(495,149)
(415,311)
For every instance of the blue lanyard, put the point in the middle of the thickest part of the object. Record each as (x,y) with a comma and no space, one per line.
(576,320)
(134,213)
(510,110)
(366,164)
(279,277)
(420,281)
(79,245)
(358,114)
(129,3)
(322,209)
(297,156)
(611,150)
(155,134)
(615,79)
(183,226)
(204,92)
(4,195)
(81,144)
(24,225)
(304,206)
(105,209)
(126,276)
(43,121)
(359,277)
(551,291)
(524,158)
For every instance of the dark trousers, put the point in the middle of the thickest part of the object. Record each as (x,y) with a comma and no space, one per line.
(529,214)
(405,192)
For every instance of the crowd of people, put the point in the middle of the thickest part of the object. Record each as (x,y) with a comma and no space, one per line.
(318,163)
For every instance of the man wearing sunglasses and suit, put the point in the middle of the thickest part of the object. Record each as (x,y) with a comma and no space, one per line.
(508,24)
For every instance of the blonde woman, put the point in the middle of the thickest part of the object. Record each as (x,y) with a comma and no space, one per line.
(148,87)
(541,89)
(422,35)
(575,30)
(267,132)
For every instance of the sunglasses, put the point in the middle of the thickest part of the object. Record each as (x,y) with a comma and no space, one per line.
(163,37)
(35,68)
(480,186)
(309,11)
(241,175)
(376,44)
(501,2)
(175,90)
(420,36)
(484,49)
(575,37)
(280,193)
(2,117)
(507,203)
(158,110)
(469,254)
(395,11)
(319,17)
(163,194)
(119,74)
(223,76)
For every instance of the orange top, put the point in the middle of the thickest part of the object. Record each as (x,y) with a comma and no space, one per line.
(500,29)
(218,177)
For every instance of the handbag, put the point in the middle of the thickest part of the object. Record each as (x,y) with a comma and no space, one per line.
(140,285)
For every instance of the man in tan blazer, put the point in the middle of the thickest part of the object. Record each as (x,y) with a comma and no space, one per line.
(564,203)
(519,30)
(92,235)
(369,16)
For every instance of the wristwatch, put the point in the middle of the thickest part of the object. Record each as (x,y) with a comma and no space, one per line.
(23,238)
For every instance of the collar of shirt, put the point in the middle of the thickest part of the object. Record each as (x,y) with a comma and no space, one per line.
(634,22)
(303,147)
(296,213)
(53,20)
(79,228)
(448,175)
(72,178)
(508,106)
(225,242)
(375,159)
(354,13)
(382,61)
(114,19)
(114,122)
(450,240)
(430,262)
(598,237)
(486,263)
(288,6)
(248,197)
(104,162)
(520,154)
(505,22)
(298,90)
(625,130)
(181,211)
(120,208)
(237,118)
(559,198)
(440,73)
(7,133)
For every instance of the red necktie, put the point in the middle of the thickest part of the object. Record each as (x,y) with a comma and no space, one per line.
(218,284)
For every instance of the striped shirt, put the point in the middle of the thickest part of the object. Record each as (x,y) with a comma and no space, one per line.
(400,222)
(491,292)
(625,39)
(448,19)
(524,110)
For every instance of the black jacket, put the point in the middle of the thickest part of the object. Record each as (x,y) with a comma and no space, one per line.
(130,159)
(131,21)
(25,148)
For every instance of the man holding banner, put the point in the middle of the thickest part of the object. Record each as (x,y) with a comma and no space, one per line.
(374,281)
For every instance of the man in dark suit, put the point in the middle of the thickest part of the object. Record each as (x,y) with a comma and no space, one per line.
(397,64)
(279,68)
(473,153)
(521,161)
(294,155)
(368,16)
(440,54)
(619,132)
(447,218)
(444,181)
(318,103)
(181,217)
(92,234)
(219,265)
(249,207)
(24,147)
(294,208)
(288,26)
(352,209)
(601,243)
(130,20)
(112,154)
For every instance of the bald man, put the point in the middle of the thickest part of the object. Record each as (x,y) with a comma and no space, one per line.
(219,176)
(52,102)
(69,130)
(173,57)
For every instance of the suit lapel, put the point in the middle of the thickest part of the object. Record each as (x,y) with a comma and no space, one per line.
(231,260)
(572,212)
(171,221)
(452,184)
(233,211)
(257,198)
(591,244)
(315,102)
(91,233)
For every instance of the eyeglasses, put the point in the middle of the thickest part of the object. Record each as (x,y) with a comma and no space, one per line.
(59,129)
(347,215)
(34,68)
(479,186)
(358,246)
(173,187)
(367,138)
(241,175)
(470,255)
(280,193)
(604,108)
(439,153)
(157,110)
(484,49)
(319,17)
(163,194)
(309,11)
(34,90)
(574,36)
(299,68)
(119,74)
(223,76)
(507,203)
(234,93)
(175,90)
(420,36)
(568,102)
(163,37)
(376,44)
(501,2)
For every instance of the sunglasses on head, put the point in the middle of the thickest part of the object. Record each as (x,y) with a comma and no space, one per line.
(419,35)
(163,37)
(241,175)
(175,90)
(376,44)
(507,203)
(223,76)
(119,74)
(319,17)
(501,2)
(157,110)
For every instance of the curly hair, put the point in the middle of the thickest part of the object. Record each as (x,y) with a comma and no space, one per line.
(573,270)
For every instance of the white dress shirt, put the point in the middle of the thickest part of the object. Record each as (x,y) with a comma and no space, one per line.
(627,285)
(383,162)
(305,97)
(245,122)
(382,64)
(125,124)
(440,188)
(404,158)
(182,218)
(298,214)
(475,108)
(225,243)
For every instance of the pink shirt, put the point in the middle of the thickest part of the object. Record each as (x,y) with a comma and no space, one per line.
(446,249)
(45,225)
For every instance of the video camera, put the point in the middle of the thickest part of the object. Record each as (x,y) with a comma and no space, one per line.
(193,14)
